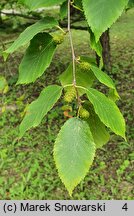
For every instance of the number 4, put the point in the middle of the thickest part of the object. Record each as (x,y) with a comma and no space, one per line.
(125,207)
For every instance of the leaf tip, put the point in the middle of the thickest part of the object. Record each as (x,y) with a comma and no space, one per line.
(69,188)
(5,55)
(70,192)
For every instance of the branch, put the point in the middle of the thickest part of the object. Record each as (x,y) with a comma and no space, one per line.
(63,25)
(71,43)
(73,55)
(20,15)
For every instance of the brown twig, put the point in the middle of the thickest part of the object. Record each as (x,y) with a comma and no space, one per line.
(73,54)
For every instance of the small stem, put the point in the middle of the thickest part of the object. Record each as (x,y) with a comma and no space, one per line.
(76,7)
(78,97)
(81,87)
(65,86)
(61,29)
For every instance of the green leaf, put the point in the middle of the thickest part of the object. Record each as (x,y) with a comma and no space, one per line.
(40,107)
(74,151)
(34,4)
(107,111)
(101,14)
(113,95)
(82,79)
(88,59)
(37,58)
(63,10)
(106,80)
(95,45)
(98,130)
(103,77)
(29,33)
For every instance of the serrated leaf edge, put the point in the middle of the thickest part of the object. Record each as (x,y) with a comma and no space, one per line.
(33,80)
(61,176)
(97,36)
(35,125)
(123,121)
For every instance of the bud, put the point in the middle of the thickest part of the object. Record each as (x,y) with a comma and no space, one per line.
(58,39)
(66,108)
(83,113)
(70,94)
(84,66)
